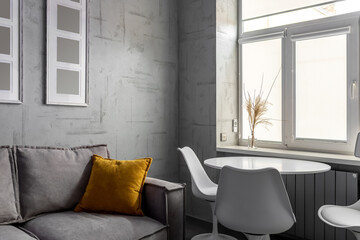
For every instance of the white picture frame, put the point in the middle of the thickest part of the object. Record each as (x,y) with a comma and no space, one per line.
(10,64)
(66,80)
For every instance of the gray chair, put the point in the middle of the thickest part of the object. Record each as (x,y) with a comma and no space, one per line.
(347,217)
(254,202)
(202,187)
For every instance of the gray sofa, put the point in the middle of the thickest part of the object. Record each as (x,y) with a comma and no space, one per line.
(40,186)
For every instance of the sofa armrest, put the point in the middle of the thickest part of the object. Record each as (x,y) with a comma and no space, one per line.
(165,202)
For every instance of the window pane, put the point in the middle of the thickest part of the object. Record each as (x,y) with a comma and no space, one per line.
(263,59)
(258,8)
(321,100)
(302,15)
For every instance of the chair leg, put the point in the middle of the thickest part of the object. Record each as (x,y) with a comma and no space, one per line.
(214,219)
(257,237)
(215,234)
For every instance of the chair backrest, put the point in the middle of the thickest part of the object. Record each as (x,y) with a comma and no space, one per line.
(200,180)
(253,201)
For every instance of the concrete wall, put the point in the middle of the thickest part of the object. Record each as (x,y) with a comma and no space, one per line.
(207,58)
(133,90)
(197,89)
(227,107)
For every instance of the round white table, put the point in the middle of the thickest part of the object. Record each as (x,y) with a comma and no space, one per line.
(283,165)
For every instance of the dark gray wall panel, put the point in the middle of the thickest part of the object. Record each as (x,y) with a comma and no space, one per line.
(310,213)
(319,201)
(291,189)
(340,199)
(351,195)
(329,199)
(300,206)
(310,192)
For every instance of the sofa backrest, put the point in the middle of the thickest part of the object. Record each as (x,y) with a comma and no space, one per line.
(8,199)
(53,179)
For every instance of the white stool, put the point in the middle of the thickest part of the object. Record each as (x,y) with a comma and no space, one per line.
(347,217)
(202,187)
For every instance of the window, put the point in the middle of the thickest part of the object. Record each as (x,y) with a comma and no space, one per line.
(265,55)
(314,102)
(262,14)
(313,72)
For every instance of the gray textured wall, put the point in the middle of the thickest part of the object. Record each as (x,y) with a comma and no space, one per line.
(197,89)
(133,85)
(207,58)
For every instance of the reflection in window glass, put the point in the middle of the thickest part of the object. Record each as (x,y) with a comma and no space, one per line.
(321,80)
(263,59)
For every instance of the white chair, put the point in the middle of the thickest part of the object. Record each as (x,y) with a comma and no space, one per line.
(254,202)
(347,217)
(202,187)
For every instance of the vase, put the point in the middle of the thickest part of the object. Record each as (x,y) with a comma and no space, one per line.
(252,140)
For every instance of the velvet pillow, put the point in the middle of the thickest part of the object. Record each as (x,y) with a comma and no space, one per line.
(115,186)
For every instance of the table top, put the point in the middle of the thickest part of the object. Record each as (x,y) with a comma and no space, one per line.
(283,165)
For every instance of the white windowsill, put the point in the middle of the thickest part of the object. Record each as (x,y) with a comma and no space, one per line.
(311,156)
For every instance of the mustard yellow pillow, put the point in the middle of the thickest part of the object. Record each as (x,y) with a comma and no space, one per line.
(115,186)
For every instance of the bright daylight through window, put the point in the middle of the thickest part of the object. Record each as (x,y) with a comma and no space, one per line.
(300,58)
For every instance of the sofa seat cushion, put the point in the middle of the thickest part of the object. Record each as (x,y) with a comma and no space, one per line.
(53,179)
(92,226)
(161,235)
(8,199)
(10,232)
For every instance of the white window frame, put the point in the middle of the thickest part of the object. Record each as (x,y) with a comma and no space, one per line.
(349,24)
(14,95)
(52,97)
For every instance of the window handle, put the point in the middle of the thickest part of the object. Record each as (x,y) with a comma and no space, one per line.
(353,89)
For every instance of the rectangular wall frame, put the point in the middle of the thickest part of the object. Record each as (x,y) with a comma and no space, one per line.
(10,81)
(67,52)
